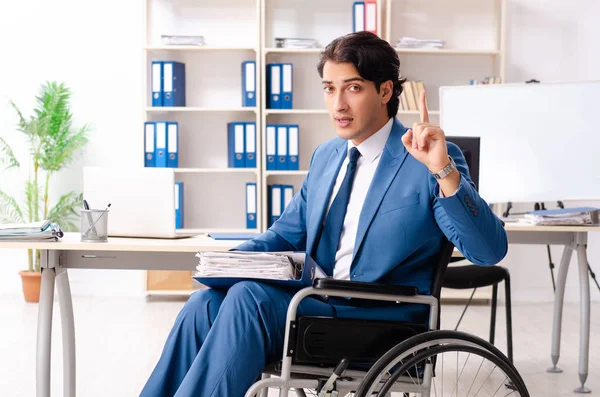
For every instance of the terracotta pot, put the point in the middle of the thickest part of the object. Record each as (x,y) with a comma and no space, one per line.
(31,285)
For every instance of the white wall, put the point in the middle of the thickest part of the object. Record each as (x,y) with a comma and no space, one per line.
(96,48)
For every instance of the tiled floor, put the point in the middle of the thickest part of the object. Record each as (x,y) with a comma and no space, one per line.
(119,341)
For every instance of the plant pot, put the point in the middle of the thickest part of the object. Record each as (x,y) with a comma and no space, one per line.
(31,285)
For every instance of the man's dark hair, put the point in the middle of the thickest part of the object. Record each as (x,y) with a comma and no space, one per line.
(374,58)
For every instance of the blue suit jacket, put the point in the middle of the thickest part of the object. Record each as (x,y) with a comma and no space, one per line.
(402,220)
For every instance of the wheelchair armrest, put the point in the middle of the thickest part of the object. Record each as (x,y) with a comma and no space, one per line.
(360,286)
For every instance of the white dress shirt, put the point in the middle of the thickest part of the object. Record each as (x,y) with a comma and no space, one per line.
(370,151)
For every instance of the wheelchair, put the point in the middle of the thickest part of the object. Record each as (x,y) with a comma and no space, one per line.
(337,357)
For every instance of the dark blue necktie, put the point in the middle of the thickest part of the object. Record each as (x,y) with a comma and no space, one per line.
(332,230)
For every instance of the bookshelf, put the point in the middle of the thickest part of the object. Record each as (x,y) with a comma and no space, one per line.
(323,21)
(213,99)
(239,30)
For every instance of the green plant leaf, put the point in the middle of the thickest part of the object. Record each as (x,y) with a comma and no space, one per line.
(33,129)
(9,209)
(66,212)
(59,141)
(7,157)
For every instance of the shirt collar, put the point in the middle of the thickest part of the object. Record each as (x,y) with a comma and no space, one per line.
(373,145)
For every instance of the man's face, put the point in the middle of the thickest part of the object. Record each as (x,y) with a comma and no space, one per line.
(356,108)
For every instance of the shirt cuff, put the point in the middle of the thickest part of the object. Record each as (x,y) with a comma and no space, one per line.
(441,195)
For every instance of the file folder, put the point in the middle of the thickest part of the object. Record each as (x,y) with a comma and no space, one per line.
(172,144)
(250,138)
(275,203)
(233,236)
(282,147)
(251,205)
(310,271)
(157,84)
(286,85)
(371,16)
(288,195)
(271,160)
(236,145)
(358,14)
(249,83)
(274,86)
(178,205)
(293,149)
(173,83)
(149,144)
(161,144)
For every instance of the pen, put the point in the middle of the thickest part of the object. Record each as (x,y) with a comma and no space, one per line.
(89,216)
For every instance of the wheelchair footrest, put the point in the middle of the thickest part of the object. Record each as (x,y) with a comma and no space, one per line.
(325,341)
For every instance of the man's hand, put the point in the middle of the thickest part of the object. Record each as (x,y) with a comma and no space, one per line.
(426,141)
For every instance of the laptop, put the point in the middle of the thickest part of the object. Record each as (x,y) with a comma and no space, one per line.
(142,200)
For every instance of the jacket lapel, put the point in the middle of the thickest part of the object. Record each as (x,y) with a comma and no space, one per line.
(392,158)
(321,200)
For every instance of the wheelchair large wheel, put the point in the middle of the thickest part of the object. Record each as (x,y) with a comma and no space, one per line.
(443,363)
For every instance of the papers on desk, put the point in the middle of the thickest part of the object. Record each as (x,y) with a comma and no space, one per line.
(241,264)
(35,231)
(563,216)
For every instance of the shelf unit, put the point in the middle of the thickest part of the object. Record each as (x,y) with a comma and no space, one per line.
(213,98)
(197,109)
(216,170)
(323,21)
(237,30)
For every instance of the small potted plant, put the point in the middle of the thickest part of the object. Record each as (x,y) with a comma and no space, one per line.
(52,144)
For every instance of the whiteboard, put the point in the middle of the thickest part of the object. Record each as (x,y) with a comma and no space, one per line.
(539,142)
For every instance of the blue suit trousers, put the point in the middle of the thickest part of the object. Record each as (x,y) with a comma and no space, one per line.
(222,340)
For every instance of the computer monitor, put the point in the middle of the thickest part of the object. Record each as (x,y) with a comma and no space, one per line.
(470,149)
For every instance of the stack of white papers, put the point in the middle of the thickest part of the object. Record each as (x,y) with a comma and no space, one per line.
(182,40)
(291,42)
(42,230)
(411,42)
(274,266)
(564,216)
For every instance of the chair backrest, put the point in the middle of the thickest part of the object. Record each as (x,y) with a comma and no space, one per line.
(444,256)
(443,259)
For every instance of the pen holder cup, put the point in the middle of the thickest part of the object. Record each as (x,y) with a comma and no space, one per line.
(94,226)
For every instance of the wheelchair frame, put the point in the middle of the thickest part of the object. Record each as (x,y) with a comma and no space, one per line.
(285,380)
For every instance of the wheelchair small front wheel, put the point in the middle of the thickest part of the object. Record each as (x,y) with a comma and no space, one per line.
(443,363)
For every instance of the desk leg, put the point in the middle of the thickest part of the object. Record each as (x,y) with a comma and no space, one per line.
(44,333)
(584,317)
(559,296)
(68,331)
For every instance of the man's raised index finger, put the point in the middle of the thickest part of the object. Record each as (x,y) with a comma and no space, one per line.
(423,108)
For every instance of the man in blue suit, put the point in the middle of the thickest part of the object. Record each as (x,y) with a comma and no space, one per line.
(374,207)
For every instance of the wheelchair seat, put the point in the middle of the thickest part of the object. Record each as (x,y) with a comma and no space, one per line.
(324,341)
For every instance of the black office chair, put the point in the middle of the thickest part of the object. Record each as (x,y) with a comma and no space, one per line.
(473,276)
